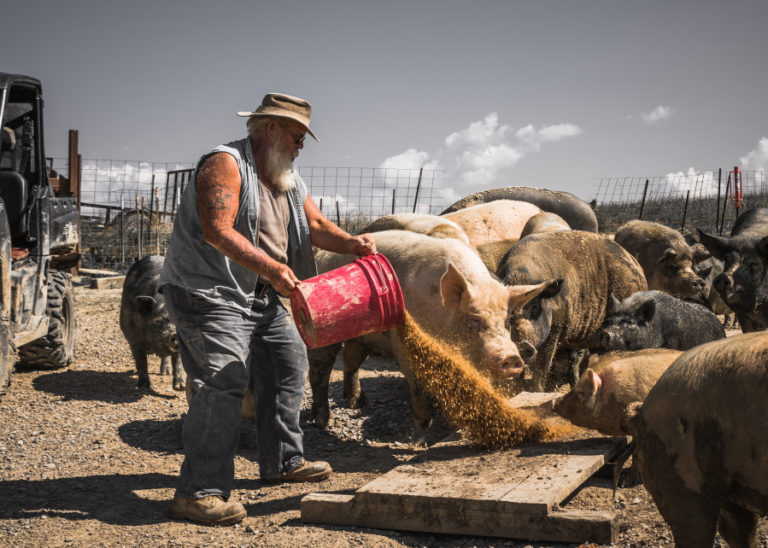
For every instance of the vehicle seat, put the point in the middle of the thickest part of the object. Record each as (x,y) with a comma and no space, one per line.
(13,188)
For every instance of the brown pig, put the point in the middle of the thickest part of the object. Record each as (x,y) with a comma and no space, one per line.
(579,271)
(665,256)
(612,381)
(700,441)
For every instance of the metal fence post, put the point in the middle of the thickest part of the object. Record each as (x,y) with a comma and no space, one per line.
(642,204)
(717,213)
(685,209)
(393,200)
(418,186)
(725,203)
(122,229)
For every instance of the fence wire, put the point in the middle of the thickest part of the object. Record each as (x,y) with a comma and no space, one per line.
(706,200)
(128,206)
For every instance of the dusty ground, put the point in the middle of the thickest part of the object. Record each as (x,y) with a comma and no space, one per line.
(87,460)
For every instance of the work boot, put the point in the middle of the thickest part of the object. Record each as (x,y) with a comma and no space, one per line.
(306,471)
(212,510)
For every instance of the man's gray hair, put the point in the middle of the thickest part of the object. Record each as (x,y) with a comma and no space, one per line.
(257,125)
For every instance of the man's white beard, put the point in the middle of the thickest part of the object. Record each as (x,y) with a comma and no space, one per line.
(279,169)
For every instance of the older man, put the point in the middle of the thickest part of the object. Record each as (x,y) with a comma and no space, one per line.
(244,233)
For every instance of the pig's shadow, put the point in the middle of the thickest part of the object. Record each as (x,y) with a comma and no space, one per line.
(153,435)
(109,387)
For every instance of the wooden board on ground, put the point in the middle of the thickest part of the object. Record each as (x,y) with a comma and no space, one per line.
(457,489)
(114,282)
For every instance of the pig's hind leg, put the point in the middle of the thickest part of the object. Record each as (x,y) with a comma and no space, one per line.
(178,373)
(353,355)
(738,526)
(320,366)
(140,358)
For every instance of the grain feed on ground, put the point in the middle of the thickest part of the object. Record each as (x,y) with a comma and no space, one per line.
(466,398)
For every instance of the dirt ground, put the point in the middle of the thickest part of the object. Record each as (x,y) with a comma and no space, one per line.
(87,460)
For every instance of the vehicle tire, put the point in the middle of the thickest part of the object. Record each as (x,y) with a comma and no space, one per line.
(57,348)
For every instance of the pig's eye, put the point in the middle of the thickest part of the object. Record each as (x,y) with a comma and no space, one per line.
(476,322)
(532,309)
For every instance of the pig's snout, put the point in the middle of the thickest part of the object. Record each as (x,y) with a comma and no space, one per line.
(512,366)
(173,343)
(527,351)
(605,339)
(697,283)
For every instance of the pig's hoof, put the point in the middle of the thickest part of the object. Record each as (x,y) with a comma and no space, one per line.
(357,402)
(179,386)
(321,416)
(420,439)
(144,383)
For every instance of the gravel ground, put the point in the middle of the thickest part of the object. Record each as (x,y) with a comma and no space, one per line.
(87,460)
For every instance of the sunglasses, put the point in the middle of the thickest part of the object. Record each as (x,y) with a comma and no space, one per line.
(297,139)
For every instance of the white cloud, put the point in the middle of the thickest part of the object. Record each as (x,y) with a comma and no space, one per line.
(699,183)
(481,155)
(757,159)
(658,114)
(410,159)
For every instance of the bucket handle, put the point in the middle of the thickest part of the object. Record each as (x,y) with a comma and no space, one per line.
(381,278)
(378,279)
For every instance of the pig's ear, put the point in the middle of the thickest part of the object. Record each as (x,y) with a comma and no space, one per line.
(668,255)
(716,245)
(646,311)
(591,384)
(762,248)
(520,295)
(700,253)
(613,304)
(452,287)
(146,303)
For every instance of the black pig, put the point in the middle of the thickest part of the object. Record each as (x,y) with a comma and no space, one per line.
(146,324)
(654,319)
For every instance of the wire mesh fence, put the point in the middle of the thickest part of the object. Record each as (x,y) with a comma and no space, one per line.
(127,207)
(710,200)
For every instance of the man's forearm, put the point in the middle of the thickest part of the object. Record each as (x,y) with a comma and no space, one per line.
(239,249)
(330,237)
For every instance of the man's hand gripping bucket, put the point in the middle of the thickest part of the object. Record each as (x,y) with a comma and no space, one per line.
(357,299)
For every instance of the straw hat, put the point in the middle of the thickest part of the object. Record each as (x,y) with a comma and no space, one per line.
(284,106)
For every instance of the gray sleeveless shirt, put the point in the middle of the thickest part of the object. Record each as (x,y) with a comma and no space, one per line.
(200,268)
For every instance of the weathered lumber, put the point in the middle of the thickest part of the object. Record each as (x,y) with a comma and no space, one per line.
(455,488)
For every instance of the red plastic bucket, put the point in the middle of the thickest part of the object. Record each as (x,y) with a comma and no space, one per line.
(359,298)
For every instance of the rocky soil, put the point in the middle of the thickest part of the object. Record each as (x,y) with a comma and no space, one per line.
(87,460)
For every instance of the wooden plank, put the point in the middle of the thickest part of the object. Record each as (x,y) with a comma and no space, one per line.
(98,272)
(533,399)
(430,517)
(114,282)
(531,479)
(454,488)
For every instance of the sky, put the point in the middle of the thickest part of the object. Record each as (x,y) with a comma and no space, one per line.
(542,93)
